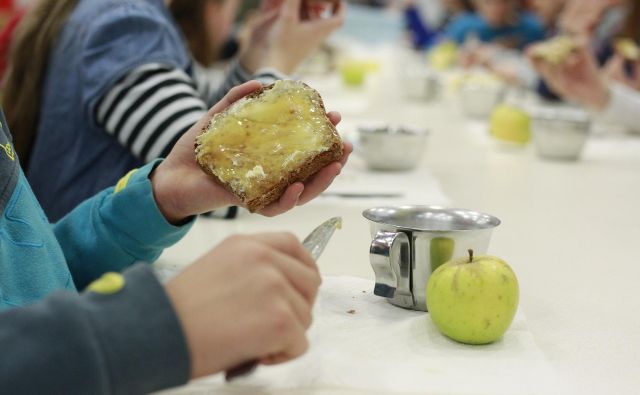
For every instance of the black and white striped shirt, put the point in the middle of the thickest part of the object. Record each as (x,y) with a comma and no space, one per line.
(152,106)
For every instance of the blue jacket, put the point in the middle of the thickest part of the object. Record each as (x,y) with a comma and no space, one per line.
(108,232)
(122,336)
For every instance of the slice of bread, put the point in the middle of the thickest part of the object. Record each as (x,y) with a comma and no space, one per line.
(628,49)
(556,50)
(268,140)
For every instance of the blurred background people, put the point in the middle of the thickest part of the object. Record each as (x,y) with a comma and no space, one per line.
(500,22)
(611,92)
(95,88)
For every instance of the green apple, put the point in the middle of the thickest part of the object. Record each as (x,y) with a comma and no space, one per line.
(443,56)
(473,299)
(354,72)
(440,251)
(511,124)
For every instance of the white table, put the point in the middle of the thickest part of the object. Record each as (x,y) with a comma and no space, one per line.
(569,230)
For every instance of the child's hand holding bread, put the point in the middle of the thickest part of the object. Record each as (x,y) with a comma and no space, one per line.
(284,153)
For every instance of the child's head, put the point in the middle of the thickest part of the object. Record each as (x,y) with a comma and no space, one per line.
(496,13)
(206,24)
(456,6)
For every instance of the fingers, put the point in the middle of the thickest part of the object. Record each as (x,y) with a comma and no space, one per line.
(286,202)
(296,345)
(347,149)
(334,117)
(288,244)
(291,10)
(270,5)
(298,193)
(234,95)
(319,182)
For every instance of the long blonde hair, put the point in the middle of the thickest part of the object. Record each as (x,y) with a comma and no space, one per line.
(21,93)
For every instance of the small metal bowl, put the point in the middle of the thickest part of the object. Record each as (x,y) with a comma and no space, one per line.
(419,83)
(560,133)
(478,100)
(391,148)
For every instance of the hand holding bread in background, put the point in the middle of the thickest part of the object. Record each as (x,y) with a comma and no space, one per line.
(570,69)
(281,38)
(183,189)
(627,56)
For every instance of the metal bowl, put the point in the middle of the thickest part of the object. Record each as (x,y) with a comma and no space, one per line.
(419,83)
(478,100)
(410,242)
(560,133)
(391,148)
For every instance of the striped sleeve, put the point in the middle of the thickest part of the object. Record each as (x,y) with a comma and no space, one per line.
(212,89)
(149,109)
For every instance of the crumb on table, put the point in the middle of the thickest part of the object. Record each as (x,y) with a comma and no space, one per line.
(352,311)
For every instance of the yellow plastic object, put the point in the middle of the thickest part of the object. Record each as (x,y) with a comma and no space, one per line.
(108,284)
(122,183)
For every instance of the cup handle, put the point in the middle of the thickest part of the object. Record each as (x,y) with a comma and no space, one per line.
(390,261)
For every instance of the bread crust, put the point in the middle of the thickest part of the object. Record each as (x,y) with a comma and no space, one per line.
(300,174)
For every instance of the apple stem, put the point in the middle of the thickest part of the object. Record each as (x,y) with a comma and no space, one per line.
(470,255)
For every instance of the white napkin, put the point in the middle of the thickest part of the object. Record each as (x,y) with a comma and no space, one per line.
(360,341)
(418,186)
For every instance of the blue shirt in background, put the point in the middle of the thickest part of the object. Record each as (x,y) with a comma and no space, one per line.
(525,31)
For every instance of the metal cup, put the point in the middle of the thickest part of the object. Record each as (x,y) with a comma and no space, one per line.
(410,242)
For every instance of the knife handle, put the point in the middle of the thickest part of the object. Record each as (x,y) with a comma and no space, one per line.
(241,370)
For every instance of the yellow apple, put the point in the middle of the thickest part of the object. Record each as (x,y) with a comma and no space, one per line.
(355,71)
(443,56)
(473,299)
(510,124)
(440,251)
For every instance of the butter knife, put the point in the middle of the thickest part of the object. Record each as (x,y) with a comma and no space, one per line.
(314,243)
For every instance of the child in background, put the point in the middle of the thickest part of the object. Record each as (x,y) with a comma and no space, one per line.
(612,93)
(424,34)
(499,22)
(106,86)
(600,23)
(250,298)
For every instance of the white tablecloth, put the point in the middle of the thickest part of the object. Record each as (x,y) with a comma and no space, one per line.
(360,341)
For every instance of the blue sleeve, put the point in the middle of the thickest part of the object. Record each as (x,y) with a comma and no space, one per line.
(116,228)
(534,30)
(461,26)
(113,341)
(456,30)
(125,37)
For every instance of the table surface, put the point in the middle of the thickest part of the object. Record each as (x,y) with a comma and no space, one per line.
(568,229)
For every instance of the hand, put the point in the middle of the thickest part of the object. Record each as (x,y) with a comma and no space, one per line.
(282,39)
(478,54)
(614,70)
(577,78)
(581,17)
(250,298)
(182,189)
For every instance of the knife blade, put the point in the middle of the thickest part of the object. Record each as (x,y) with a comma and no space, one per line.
(315,244)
